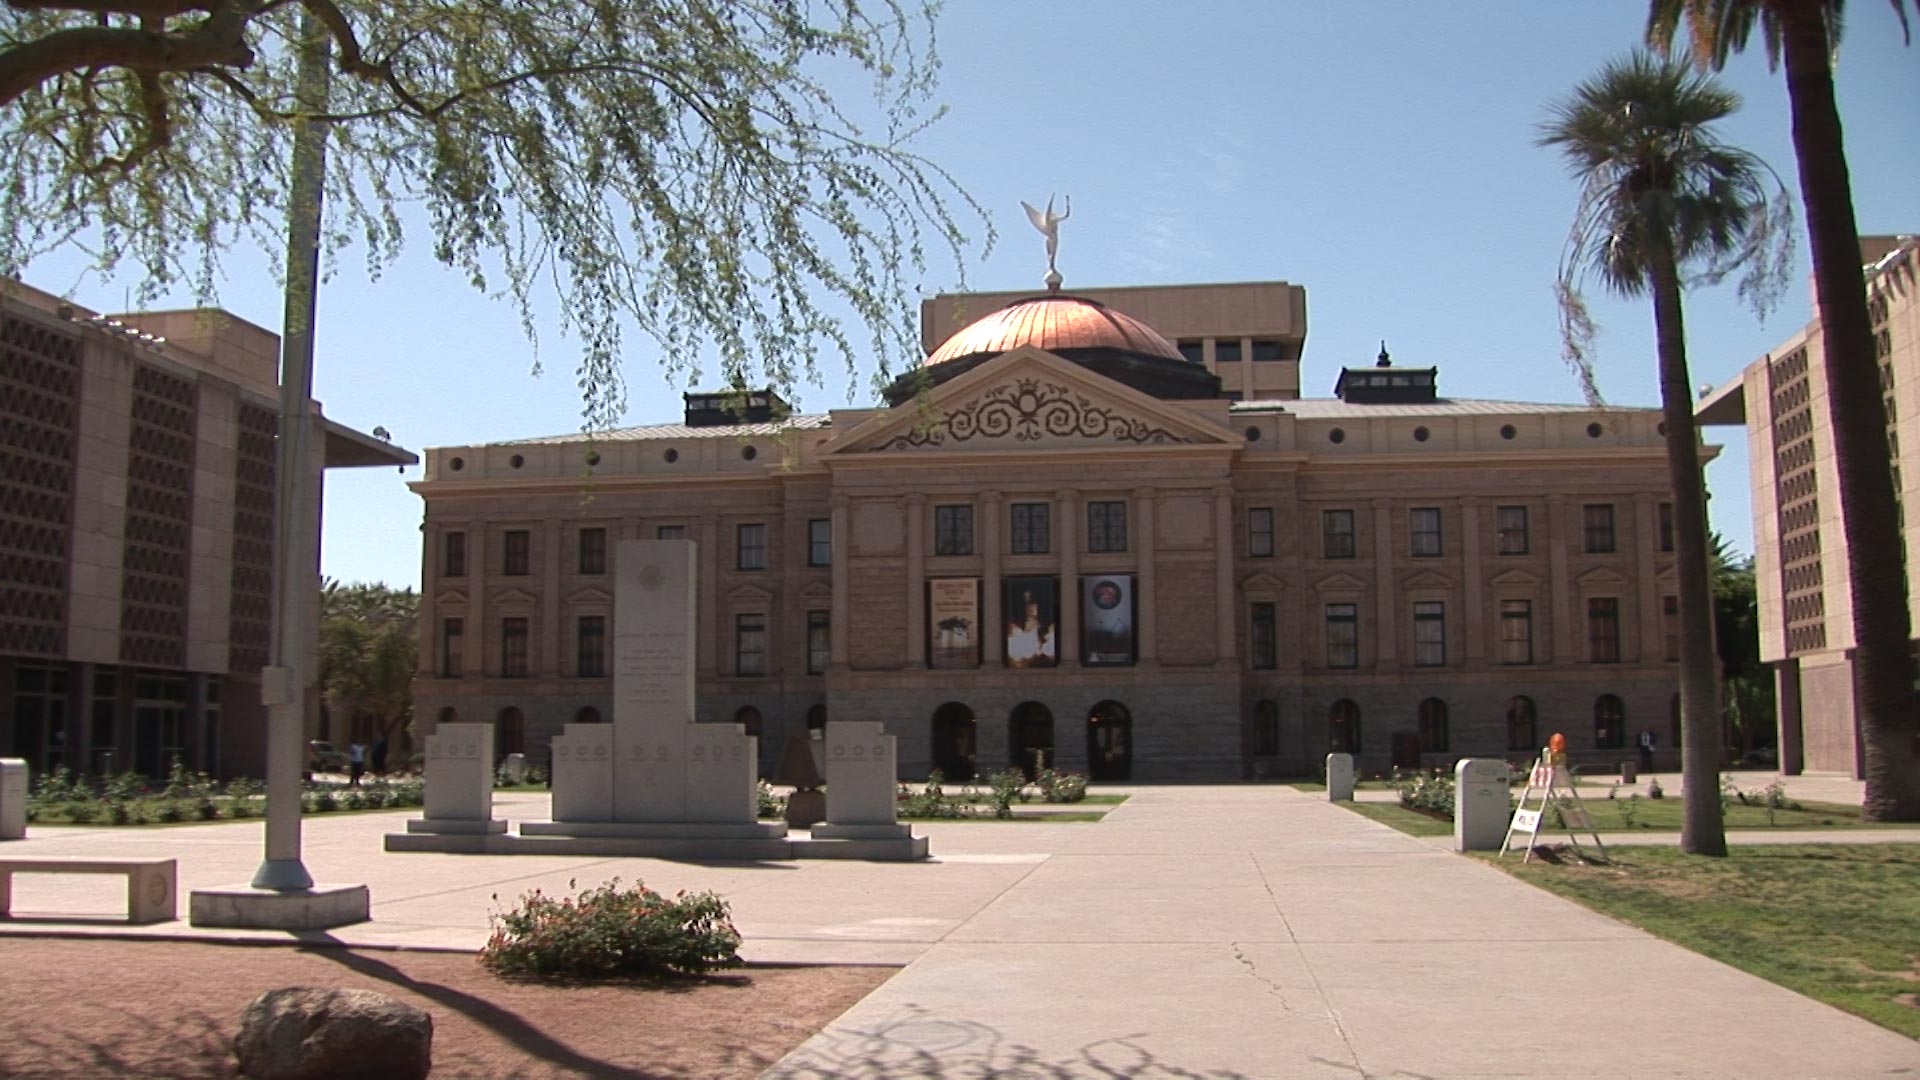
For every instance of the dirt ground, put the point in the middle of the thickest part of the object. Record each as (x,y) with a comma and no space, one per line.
(99,1008)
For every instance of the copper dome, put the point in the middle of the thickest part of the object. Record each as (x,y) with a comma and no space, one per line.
(1054,323)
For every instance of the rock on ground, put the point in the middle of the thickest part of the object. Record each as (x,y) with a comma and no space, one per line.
(306,1033)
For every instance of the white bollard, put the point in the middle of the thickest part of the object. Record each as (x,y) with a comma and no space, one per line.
(1480,808)
(1340,777)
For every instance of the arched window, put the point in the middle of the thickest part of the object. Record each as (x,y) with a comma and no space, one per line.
(1266,729)
(449,715)
(1433,726)
(817,722)
(953,741)
(1343,727)
(509,733)
(1609,723)
(587,715)
(749,717)
(1521,733)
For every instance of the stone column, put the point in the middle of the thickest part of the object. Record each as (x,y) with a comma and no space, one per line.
(1563,647)
(842,552)
(1227,603)
(1475,606)
(992,626)
(914,506)
(474,661)
(1144,614)
(707,568)
(427,663)
(1386,607)
(1067,628)
(551,634)
(1646,537)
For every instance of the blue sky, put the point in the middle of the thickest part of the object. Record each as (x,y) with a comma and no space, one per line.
(1379,154)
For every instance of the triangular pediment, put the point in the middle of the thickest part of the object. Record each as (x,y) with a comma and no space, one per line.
(1428,580)
(1602,575)
(450,596)
(1339,583)
(515,597)
(817,590)
(749,594)
(1261,582)
(1029,400)
(590,595)
(1667,575)
(1515,579)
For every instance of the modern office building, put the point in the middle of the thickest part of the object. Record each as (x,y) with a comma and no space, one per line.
(1801,559)
(137,462)
(1104,525)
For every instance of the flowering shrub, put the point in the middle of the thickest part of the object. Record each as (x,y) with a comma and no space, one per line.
(609,933)
(931,801)
(1061,787)
(1004,787)
(1429,795)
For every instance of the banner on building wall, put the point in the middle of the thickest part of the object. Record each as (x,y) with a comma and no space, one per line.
(1107,619)
(953,623)
(1033,622)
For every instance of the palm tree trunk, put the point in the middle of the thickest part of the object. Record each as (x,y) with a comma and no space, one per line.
(1703,829)
(1887,716)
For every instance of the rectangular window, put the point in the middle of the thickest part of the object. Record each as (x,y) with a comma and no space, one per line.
(1603,630)
(593,551)
(1106,526)
(749,644)
(1424,523)
(592,653)
(1666,525)
(1260,532)
(1516,631)
(1598,520)
(1265,640)
(1336,532)
(1343,635)
(953,530)
(1670,624)
(453,655)
(1429,634)
(819,642)
(513,648)
(819,542)
(750,547)
(1226,350)
(515,557)
(453,558)
(1510,522)
(1032,528)
(670,532)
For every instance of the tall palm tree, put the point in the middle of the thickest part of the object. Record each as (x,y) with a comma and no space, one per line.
(1804,33)
(1659,193)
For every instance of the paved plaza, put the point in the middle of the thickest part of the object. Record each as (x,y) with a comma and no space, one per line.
(1233,931)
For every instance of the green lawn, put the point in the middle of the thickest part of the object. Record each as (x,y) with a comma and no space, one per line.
(1647,815)
(1839,923)
(1400,818)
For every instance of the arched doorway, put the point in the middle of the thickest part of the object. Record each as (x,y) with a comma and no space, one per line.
(953,745)
(817,722)
(1030,732)
(448,715)
(1109,742)
(1522,733)
(1609,723)
(587,715)
(1343,727)
(749,718)
(509,734)
(1266,729)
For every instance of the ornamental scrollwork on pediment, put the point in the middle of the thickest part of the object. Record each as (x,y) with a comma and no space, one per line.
(1028,410)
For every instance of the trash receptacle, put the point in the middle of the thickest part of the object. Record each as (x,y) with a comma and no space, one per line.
(1629,772)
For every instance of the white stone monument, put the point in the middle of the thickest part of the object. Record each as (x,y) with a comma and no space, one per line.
(459,782)
(1480,804)
(1340,777)
(13,798)
(861,784)
(583,773)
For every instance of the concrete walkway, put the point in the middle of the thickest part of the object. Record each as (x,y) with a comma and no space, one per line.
(1197,931)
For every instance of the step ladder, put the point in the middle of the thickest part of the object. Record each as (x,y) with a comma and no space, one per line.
(1552,782)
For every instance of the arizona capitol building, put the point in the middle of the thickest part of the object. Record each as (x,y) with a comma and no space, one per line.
(1110,529)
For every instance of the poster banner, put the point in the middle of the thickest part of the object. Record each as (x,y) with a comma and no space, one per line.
(1032,611)
(1106,620)
(953,623)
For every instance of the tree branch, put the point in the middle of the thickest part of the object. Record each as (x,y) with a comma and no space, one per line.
(143,9)
(216,41)
(159,133)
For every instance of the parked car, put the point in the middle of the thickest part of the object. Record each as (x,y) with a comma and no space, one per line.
(322,757)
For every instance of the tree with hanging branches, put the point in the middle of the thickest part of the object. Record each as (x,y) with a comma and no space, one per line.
(1664,205)
(368,653)
(735,178)
(1803,36)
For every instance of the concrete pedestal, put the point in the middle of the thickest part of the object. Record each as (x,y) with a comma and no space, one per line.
(1340,777)
(319,908)
(459,781)
(1480,809)
(583,773)
(13,798)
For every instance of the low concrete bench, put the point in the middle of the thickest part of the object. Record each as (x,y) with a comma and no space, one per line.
(151,883)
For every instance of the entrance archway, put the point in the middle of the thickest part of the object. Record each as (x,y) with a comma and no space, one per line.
(509,734)
(1031,730)
(953,741)
(1109,742)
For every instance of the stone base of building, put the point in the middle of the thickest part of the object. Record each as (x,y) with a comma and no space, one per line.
(456,826)
(321,907)
(667,841)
